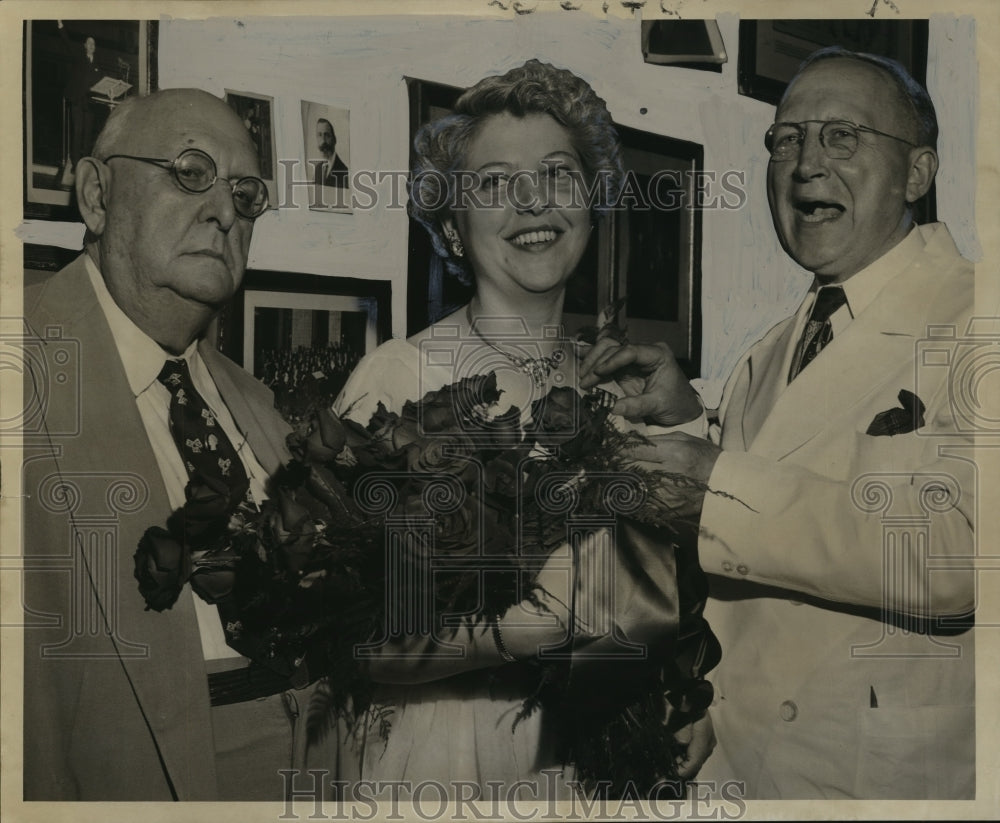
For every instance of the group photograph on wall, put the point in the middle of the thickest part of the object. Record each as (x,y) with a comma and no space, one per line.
(542,411)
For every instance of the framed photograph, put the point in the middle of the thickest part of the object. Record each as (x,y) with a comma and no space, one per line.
(75,73)
(326,149)
(771,50)
(431,294)
(646,253)
(257,113)
(649,247)
(47,258)
(302,334)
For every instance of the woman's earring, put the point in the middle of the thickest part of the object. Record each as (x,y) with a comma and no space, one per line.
(457,249)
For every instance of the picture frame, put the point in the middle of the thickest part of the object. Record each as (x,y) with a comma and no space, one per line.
(650,257)
(623,248)
(770,51)
(326,154)
(301,334)
(40,257)
(431,293)
(257,113)
(64,111)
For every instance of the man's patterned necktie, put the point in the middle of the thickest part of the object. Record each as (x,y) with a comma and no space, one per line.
(212,461)
(204,446)
(818,331)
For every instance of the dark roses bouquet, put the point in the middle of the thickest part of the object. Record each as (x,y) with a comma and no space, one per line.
(447,509)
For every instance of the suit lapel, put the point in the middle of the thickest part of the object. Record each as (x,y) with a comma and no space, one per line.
(877,343)
(169,677)
(831,386)
(768,368)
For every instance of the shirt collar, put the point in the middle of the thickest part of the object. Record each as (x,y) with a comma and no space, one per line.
(862,287)
(141,356)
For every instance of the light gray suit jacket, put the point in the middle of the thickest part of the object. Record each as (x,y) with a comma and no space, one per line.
(115,697)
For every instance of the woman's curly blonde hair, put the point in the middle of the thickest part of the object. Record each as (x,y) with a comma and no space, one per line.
(534,88)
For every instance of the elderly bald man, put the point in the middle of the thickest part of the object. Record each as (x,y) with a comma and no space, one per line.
(124,703)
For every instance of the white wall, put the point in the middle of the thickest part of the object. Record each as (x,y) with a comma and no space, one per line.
(359,64)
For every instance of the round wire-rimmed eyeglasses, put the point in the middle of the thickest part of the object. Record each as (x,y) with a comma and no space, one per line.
(196,172)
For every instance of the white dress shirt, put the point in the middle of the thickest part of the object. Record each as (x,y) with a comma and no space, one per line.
(142,359)
(861,288)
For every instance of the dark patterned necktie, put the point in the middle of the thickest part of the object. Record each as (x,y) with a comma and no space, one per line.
(204,446)
(211,462)
(819,330)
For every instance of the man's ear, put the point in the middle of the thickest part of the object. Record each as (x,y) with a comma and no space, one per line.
(92,181)
(923,167)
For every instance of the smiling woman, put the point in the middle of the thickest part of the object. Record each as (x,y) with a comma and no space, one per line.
(509,188)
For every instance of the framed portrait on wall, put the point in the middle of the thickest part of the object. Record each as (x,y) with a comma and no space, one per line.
(257,113)
(326,150)
(75,73)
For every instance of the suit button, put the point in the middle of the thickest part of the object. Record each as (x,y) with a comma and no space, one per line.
(743,568)
(788,711)
(727,566)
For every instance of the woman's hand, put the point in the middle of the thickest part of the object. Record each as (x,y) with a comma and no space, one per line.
(698,737)
(656,390)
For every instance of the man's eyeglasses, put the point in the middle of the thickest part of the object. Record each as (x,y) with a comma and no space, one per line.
(839,138)
(196,172)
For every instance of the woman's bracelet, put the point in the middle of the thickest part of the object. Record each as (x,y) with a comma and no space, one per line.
(505,654)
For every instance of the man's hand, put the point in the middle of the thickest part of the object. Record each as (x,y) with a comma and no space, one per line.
(699,738)
(656,390)
(681,454)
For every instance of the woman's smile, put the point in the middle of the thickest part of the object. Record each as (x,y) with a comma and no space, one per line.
(530,234)
(535,239)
